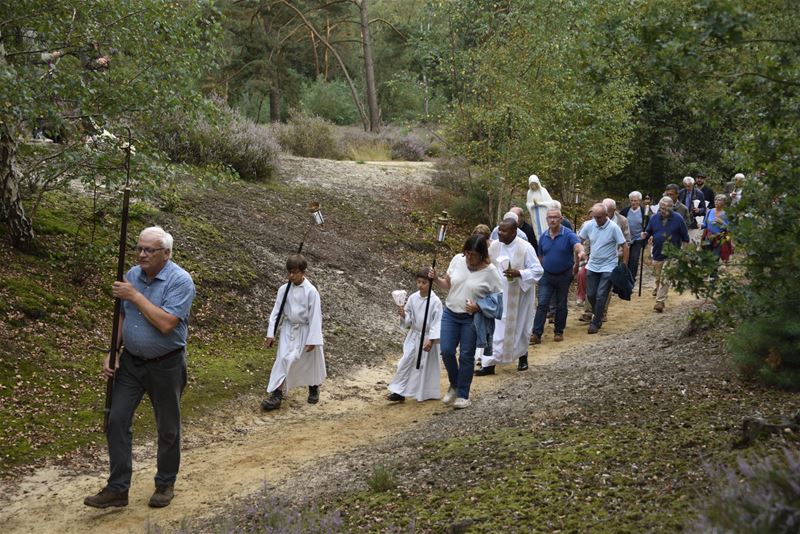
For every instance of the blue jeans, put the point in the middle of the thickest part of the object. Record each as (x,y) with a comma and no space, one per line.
(556,287)
(458,329)
(598,286)
(637,246)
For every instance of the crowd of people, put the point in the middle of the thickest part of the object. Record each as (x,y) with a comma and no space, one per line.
(502,288)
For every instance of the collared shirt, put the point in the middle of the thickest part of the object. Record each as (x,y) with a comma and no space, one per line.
(558,252)
(604,241)
(173,291)
(673,229)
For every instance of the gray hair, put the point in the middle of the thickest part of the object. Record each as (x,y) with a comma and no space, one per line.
(556,204)
(159,233)
(721,197)
(672,187)
(601,206)
(667,201)
(635,195)
(738,176)
(688,180)
(609,203)
(557,210)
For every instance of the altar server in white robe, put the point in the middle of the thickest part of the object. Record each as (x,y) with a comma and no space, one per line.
(539,201)
(300,360)
(517,261)
(423,383)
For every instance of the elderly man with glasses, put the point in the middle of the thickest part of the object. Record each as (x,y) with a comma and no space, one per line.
(665,227)
(156,299)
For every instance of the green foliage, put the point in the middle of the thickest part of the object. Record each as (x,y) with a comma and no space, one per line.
(308,137)
(330,100)
(382,479)
(769,348)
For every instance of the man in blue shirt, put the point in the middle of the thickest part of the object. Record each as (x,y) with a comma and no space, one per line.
(558,248)
(605,238)
(664,227)
(156,299)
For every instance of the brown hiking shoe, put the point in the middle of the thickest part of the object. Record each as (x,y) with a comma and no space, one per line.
(162,496)
(536,339)
(558,337)
(107,498)
(586,318)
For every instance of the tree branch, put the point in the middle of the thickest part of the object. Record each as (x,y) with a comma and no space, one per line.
(392,26)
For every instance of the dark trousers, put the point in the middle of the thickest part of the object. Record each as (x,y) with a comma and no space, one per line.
(555,287)
(163,381)
(598,287)
(458,329)
(636,249)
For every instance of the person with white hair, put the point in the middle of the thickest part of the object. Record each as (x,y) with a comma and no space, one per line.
(695,203)
(539,201)
(666,226)
(156,299)
(634,214)
(734,188)
(509,215)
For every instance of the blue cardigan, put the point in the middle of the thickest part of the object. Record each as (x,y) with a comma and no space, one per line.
(491,308)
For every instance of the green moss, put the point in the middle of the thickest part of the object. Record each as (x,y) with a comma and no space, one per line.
(571,478)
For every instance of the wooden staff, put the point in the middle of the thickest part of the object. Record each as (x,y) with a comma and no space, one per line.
(123,234)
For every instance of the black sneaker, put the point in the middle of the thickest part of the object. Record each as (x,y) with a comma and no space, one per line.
(522,364)
(273,402)
(107,498)
(394,397)
(313,394)
(484,371)
(162,496)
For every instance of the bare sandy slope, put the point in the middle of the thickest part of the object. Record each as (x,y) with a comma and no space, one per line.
(234,452)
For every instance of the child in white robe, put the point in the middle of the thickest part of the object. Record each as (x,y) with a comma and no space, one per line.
(423,383)
(300,360)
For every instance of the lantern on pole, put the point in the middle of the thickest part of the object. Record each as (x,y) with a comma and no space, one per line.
(577,202)
(441,232)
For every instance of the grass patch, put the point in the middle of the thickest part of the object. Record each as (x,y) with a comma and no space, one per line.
(382,479)
(377,151)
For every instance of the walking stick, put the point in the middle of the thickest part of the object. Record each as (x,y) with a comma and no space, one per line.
(123,233)
(317,220)
(442,223)
(645,220)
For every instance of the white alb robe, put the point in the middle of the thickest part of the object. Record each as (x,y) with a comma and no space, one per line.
(301,325)
(539,201)
(423,383)
(512,332)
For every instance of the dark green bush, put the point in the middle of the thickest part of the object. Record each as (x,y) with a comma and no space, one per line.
(330,100)
(769,348)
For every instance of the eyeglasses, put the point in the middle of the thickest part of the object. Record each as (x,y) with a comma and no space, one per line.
(147,251)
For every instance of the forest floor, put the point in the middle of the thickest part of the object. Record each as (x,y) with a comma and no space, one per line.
(606,432)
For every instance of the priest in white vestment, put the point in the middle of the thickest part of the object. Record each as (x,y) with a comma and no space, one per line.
(517,261)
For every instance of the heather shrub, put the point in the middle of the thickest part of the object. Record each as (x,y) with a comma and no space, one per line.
(409,148)
(308,137)
(761,495)
(230,140)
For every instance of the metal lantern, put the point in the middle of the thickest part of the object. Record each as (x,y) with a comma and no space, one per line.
(441,226)
(647,204)
(314,209)
(577,195)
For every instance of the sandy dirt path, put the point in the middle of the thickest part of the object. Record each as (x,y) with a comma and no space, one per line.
(256,448)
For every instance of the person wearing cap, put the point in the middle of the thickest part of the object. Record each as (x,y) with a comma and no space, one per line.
(708,193)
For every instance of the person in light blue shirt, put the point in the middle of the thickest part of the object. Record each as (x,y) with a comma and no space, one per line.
(605,239)
(156,300)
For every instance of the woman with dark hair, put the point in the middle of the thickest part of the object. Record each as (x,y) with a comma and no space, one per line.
(469,278)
